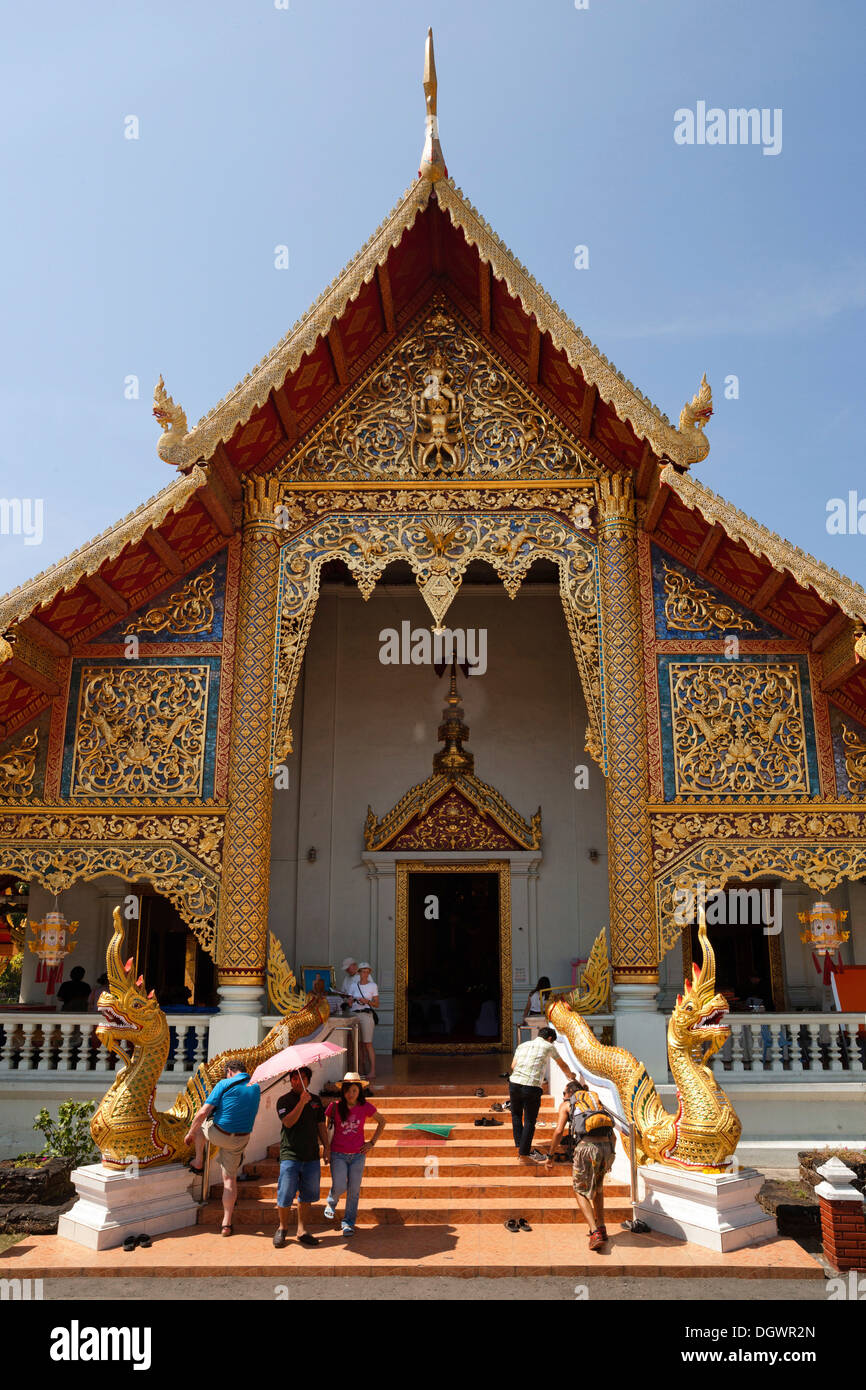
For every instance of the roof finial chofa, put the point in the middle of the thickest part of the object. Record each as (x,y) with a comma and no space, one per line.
(432,161)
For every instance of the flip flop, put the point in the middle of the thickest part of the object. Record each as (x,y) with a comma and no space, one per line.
(130,1243)
(481,1091)
(198,1171)
(524,1224)
(225,1230)
(512,1225)
(145,1242)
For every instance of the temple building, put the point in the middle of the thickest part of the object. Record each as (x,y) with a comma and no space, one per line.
(433,651)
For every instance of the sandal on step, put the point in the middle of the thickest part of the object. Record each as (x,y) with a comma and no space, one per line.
(130,1243)
(225,1230)
(145,1242)
(512,1225)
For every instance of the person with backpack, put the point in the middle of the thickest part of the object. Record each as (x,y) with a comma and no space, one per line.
(583,1117)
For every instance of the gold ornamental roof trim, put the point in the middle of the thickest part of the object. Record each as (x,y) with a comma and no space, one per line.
(418,800)
(630,404)
(827,582)
(89,558)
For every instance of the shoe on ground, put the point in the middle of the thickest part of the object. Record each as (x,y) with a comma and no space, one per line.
(328,1213)
(308,1240)
(348,1230)
(279,1238)
(597,1239)
(536,1154)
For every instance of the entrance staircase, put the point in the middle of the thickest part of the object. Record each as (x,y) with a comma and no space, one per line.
(433,1209)
(471,1178)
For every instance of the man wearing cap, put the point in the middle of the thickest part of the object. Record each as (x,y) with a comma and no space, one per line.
(365,1000)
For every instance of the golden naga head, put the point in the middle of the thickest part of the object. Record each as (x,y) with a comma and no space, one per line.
(129,1013)
(698,1020)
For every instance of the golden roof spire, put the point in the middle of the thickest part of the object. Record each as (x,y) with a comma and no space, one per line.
(432,161)
(453,759)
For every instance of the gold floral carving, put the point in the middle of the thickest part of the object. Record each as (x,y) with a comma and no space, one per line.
(18,767)
(141,731)
(58,851)
(689,608)
(202,834)
(675,831)
(436,549)
(439,405)
(441,809)
(738,729)
(187,611)
(820,863)
(854,750)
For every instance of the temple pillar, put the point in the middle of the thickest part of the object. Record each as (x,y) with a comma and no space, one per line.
(633,932)
(242,932)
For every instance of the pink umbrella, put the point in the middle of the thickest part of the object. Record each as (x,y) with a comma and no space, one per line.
(290,1058)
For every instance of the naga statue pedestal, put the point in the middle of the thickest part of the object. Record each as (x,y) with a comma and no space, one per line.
(716,1210)
(115,1204)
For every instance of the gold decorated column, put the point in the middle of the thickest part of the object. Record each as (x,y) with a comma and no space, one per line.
(634,942)
(243,914)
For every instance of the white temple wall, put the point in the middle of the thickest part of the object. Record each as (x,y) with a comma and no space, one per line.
(367,733)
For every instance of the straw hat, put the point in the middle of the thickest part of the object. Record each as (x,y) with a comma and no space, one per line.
(352,1078)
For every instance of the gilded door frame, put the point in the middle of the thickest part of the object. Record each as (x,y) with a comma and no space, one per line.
(403,869)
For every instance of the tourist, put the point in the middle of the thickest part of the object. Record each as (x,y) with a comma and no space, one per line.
(225,1121)
(591,1127)
(350,974)
(526,1078)
(365,1000)
(302,1116)
(74,995)
(348,1147)
(98,989)
(535,1003)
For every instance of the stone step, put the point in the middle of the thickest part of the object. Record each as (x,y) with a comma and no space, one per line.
(537,1184)
(463,1139)
(447,1211)
(405,1169)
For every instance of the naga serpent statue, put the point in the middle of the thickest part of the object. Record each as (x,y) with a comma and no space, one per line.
(127,1126)
(705,1131)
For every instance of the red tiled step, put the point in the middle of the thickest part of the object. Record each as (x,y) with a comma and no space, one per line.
(408,1211)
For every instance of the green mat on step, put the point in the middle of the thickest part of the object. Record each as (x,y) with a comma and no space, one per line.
(442,1130)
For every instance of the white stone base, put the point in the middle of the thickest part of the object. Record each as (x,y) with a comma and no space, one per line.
(715,1210)
(113,1205)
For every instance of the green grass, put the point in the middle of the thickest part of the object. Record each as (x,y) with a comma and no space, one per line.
(6,1241)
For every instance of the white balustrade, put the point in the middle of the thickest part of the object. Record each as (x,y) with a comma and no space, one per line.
(43,1044)
(794,1047)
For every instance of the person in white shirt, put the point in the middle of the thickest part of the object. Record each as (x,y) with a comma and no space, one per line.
(365,998)
(350,974)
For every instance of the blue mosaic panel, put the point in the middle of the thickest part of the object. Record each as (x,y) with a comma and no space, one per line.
(215,566)
(806,786)
(677,587)
(213,663)
(849,755)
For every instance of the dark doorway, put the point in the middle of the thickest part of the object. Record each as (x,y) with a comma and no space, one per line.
(745,940)
(453,989)
(169,957)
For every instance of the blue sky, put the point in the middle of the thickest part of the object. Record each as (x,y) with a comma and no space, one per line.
(262,126)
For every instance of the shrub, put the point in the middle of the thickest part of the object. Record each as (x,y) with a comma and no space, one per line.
(66,1137)
(10,978)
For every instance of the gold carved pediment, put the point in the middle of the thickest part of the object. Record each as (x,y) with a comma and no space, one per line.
(440,405)
(452,813)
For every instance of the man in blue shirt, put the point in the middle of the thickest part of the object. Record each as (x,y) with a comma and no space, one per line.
(225,1121)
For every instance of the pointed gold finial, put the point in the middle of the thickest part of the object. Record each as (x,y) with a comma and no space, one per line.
(432,161)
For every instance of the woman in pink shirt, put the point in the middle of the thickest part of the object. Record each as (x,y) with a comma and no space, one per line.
(349,1149)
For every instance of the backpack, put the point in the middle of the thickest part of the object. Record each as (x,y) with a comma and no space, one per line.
(588,1118)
